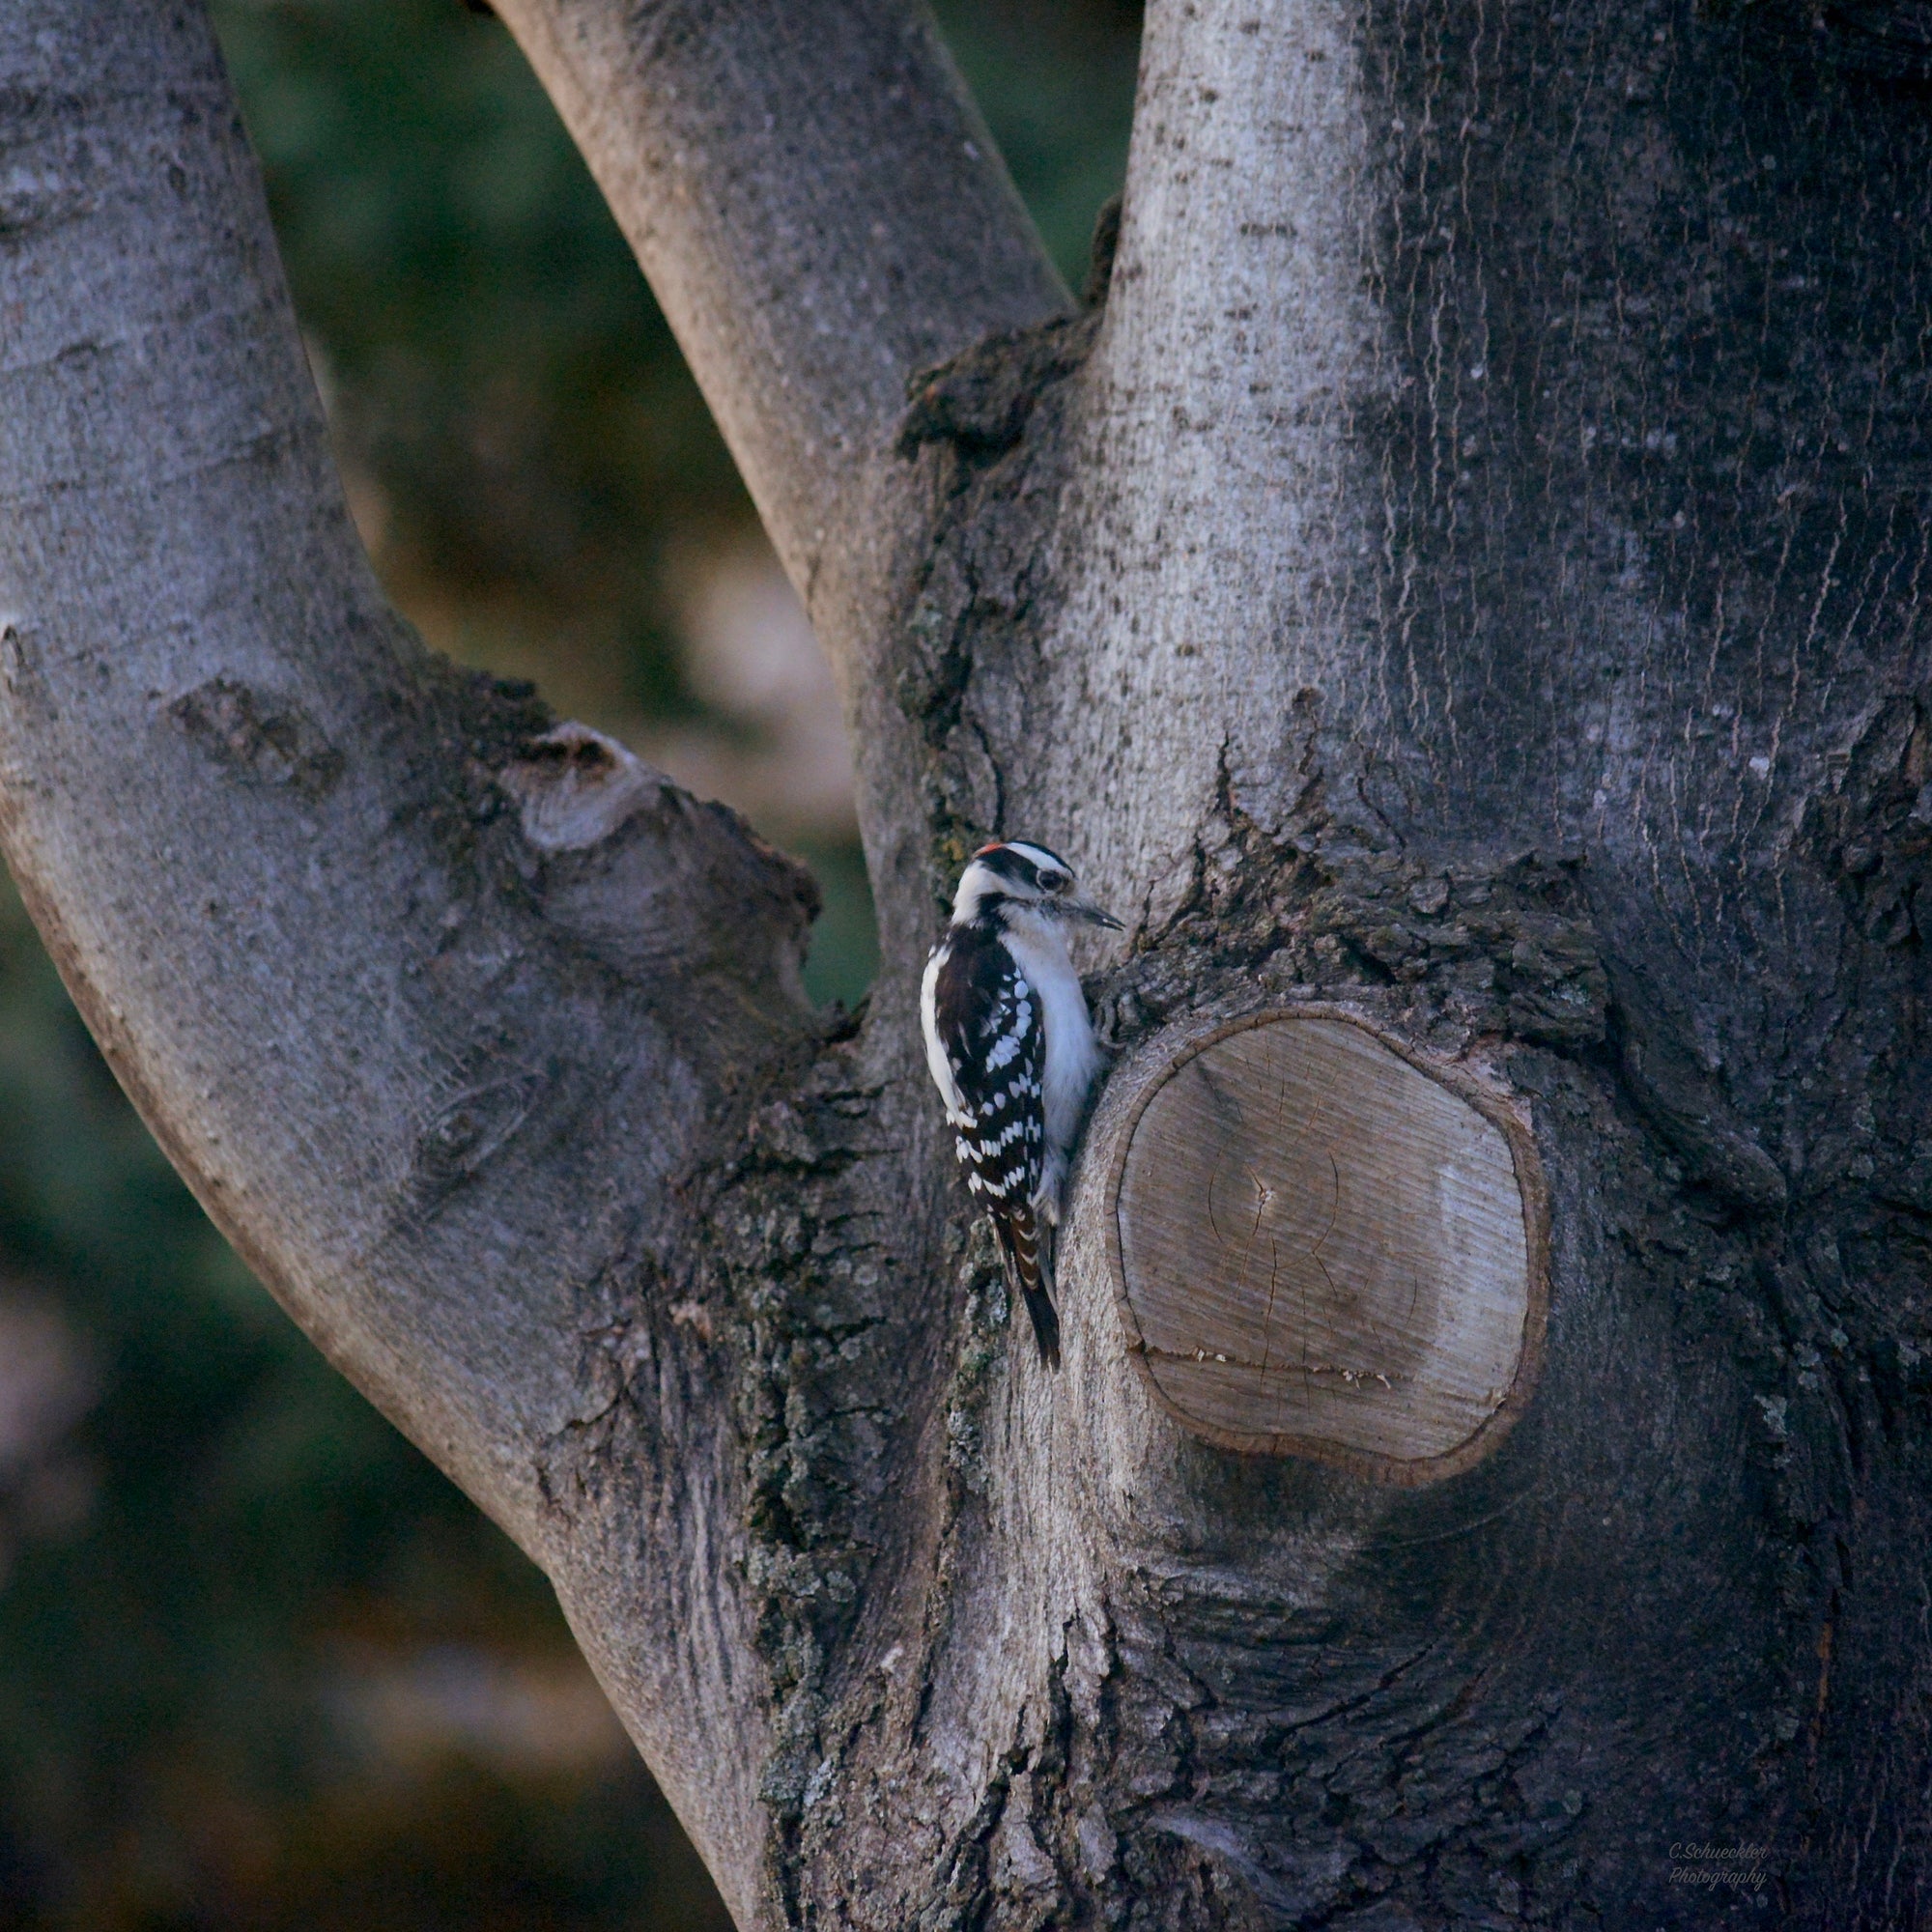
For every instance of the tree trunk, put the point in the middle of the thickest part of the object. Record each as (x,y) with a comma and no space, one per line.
(1463,597)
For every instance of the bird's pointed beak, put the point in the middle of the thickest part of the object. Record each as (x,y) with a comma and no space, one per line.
(1090,914)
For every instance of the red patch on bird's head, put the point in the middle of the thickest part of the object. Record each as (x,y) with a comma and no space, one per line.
(993,848)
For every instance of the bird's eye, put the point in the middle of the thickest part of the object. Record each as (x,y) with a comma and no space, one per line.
(1054,882)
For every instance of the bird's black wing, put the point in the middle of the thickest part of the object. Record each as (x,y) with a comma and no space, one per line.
(989,1023)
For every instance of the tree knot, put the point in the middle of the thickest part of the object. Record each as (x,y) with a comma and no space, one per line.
(981,400)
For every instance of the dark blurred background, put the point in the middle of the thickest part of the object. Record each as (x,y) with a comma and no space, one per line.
(260,1665)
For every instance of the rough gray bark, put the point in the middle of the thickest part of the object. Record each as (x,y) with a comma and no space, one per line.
(1472,570)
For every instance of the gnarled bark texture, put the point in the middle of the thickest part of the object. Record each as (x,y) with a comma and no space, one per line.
(1472,571)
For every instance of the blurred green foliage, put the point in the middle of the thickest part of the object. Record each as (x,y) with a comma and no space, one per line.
(217,1547)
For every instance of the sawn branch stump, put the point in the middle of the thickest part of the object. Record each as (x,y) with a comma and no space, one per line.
(1325,1245)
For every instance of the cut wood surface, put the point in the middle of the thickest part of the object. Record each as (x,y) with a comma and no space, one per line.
(1325,1250)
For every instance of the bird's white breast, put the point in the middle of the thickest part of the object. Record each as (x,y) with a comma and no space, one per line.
(1071,1055)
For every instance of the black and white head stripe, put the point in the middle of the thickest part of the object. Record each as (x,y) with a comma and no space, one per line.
(1026,865)
(1018,873)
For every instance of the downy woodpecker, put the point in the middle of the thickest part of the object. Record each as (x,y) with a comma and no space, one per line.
(1012,1052)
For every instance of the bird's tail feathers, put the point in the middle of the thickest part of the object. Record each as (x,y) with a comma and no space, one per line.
(1026,1249)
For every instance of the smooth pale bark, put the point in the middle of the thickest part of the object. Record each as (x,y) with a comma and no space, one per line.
(776,169)
(1471,572)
